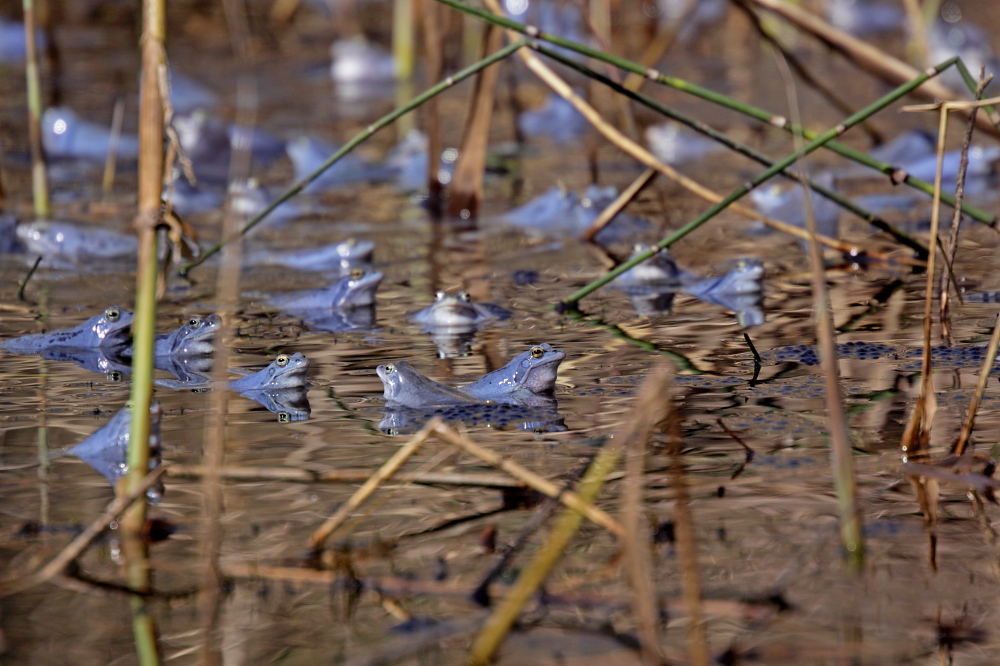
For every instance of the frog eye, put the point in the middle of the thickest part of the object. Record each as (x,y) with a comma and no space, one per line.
(464,296)
(195,322)
(440,296)
(537,352)
(112,314)
(357,274)
(116,376)
(389,369)
(350,242)
(284,417)
(282,360)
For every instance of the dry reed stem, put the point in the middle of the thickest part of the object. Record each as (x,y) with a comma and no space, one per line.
(107,182)
(467,184)
(951,248)
(296,475)
(383,474)
(917,433)
(499,622)
(875,60)
(573,501)
(564,90)
(618,204)
(655,402)
(73,549)
(977,397)
(39,175)
(841,455)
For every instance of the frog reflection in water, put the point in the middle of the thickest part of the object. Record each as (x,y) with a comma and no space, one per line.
(106,331)
(106,450)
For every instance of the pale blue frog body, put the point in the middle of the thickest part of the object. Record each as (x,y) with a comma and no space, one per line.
(65,134)
(285,372)
(342,257)
(406,387)
(457,312)
(67,244)
(530,372)
(354,290)
(107,330)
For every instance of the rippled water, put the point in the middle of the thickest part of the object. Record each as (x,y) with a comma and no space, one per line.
(766,529)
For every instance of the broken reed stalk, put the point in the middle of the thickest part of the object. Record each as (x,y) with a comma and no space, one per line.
(618,204)
(984,375)
(110,163)
(467,184)
(841,455)
(360,138)
(144,322)
(24,283)
(774,120)
(951,248)
(383,474)
(572,501)
(741,148)
(916,435)
(74,548)
(39,176)
(727,201)
(654,404)
(533,575)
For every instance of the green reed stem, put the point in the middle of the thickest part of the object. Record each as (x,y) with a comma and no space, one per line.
(534,574)
(777,167)
(361,137)
(739,147)
(777,121)
(39,176)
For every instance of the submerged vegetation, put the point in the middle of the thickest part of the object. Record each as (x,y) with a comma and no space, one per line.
(715,539)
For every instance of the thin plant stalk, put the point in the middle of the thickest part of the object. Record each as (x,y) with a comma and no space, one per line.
(403,41)
(533,575)
(741,148)
(39,176)
(951,248)
(775,168)
(841,453)
(110,163)
(774,120)
(362,136)
(144,323)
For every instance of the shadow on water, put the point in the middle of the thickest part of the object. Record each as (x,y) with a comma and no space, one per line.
(400,584)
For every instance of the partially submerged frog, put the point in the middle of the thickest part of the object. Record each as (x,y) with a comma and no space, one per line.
(67,245)
(107,330)
(285,372)
(406,387)
(342,257)
(195,337)
(559,212)
(530,372)
(65,134)
(457,312)
(354,290)
(106,450)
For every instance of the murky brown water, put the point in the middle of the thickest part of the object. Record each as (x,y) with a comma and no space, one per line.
(769,530)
